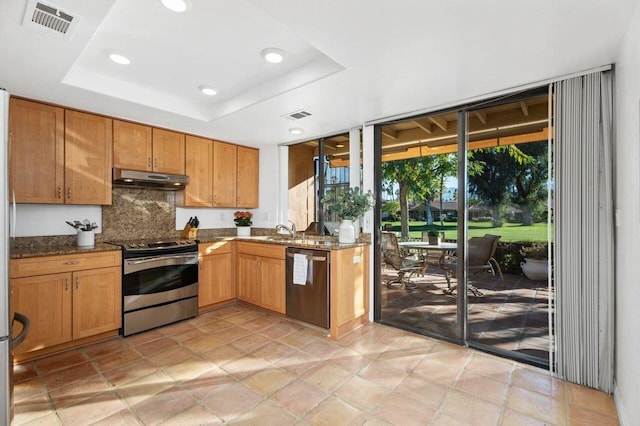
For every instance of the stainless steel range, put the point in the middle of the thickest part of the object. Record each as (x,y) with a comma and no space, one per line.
(159,283)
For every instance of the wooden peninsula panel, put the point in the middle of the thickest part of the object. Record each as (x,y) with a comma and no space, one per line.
(349,290)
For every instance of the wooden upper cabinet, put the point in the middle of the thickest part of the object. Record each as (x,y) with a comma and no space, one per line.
(199,166)
(168,152)
(36,152)
(247,177)
(88,158)
(132,146)
(224,174)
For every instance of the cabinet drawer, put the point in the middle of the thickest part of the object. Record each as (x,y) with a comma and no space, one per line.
(217,247)
(66,263)
(262,249)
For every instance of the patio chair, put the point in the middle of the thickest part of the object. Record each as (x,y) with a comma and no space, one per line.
(406,264)
(480,252)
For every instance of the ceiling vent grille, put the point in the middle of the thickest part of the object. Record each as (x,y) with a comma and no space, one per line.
(49,19)
(297,115)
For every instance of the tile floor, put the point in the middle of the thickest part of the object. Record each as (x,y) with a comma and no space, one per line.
(513,314)
(241,365)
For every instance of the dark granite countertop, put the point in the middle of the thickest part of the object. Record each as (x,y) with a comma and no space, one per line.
(37,251)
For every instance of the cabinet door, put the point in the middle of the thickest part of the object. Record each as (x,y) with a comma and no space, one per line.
(247,177)
(88,158)
(97,301)
(199,158)
(215,282)
(168,152)
(46,300)
(36,152)
(131,146)
(224,174)
(249,287)
(272,279)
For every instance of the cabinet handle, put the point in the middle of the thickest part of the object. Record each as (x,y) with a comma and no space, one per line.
(59,192)
(71,262)
(66,284)
(77,282)
(149,162)
(69,192)
(155,163)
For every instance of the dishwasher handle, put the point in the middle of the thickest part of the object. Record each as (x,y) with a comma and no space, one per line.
(310,257)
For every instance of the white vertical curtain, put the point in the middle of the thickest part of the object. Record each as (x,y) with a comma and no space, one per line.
(584,230)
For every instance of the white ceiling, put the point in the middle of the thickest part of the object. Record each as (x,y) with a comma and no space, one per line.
(348,62)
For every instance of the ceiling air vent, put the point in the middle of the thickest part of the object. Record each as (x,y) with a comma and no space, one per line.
(297,115)
(49,19)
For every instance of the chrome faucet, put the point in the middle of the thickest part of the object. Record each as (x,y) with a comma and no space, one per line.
(291,230)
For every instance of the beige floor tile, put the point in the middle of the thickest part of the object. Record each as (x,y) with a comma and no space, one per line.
(584,417)
(97,408)
(265,412)
(116,359)
(333,411)
(223,354)
(250,343)
(177,328)
(538,380)
(273,351)
(127,373)
(491,366)
(172,356)
(443,419)
(162,406)
(61,361)
(470,409)
(48,420)
(202,344)
(24,371)
(144,387)
(427,393)
(482,387)
(194,415)
(108,347)
(437,372)
(156,346)
(591,399)
(81,391)
(232,333)
(192,333)
(398,409)
(361,393)
(298,362)
(322,349)
(245,366)
(123,417)
(326,376)
(32,409)
(258,324)
(405,358)
(147,336)
(268,381)
(69,376)
(232,401)
(28,389)
(383,374)
(299,397)
(189,368)
(245,316)
(536,405)
(351,360)
(514,418)
(203,386)
(284,328)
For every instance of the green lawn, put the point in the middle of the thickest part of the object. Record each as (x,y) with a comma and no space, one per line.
(509,232)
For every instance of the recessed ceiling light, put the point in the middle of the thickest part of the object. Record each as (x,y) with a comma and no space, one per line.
(273,55)
(119,59)
(208,90)
(295,131)
(176,5)
(339,145)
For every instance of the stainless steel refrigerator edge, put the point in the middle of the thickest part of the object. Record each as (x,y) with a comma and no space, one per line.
(5,341)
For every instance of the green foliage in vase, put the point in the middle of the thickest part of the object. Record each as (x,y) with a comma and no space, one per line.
(348,203)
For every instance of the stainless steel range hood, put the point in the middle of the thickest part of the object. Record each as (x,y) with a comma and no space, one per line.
(150,180)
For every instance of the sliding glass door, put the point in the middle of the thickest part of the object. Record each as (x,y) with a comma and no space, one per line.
(466,194)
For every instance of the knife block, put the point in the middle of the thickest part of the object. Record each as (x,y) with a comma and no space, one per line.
(189,233)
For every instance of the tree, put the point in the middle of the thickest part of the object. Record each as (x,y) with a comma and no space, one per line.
(403,172)
(496,169)
(529,182)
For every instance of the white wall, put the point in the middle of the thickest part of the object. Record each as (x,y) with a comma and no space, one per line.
(49,219)
(627,74)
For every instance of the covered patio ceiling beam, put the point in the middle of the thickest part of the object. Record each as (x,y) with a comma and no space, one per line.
(424,124)
(440,122)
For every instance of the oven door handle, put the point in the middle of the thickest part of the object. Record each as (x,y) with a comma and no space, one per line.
(160,258)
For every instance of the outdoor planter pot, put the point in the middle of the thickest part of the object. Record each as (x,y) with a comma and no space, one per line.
(535,269)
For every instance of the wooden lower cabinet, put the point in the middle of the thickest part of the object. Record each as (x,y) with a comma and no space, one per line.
(69,306)
(216,279)
(261,275)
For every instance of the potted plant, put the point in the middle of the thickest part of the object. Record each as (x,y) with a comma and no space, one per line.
(536,262)
(243,223)
(347,204)
(434,237)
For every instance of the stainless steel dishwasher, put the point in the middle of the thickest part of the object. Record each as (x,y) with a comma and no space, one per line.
(308,285)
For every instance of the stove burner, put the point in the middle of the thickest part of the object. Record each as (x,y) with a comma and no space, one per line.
(156,246)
